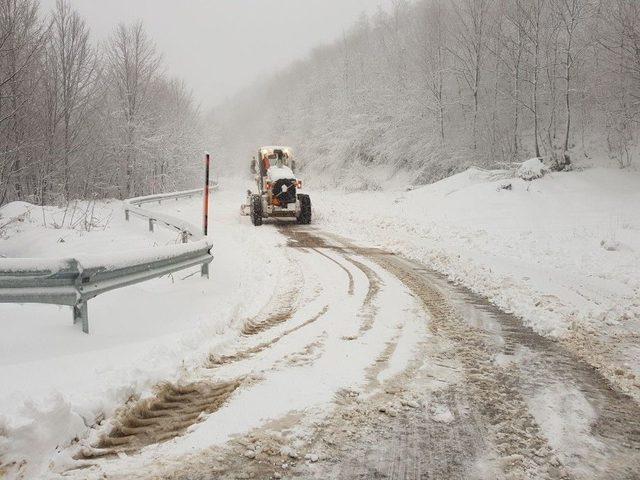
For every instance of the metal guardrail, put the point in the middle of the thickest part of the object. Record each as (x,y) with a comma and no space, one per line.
(167,196)
(189,231)
(74,281)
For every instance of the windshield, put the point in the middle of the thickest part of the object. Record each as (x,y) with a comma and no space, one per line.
(277,158)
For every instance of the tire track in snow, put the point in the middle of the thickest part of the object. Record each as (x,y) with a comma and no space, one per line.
(369,309)
(298,238)
(390,433)
(489,415)
(302,239)
(367,285)
(387,390)
(218,360)
(283,309)
(516,434)
(342,267)
(507,396)
(311,352)
(282,305)
(168,414)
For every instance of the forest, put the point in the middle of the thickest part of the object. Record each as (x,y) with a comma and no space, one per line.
(419,91)
(432,87)
(83,119)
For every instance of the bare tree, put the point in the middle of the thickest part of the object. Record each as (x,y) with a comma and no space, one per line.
(572,15)
(527,18)
(510,50)
(71,78)
(22,36)
(79,122)
(619,36)
(470,48)
(133,65)
(432,59)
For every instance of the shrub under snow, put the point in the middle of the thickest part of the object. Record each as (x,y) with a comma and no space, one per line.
(532,169)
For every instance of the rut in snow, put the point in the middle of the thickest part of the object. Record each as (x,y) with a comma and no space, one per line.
(507,396)
(493,418)
(303,239)
(165,416)
(217,360)
(282,305)
(369,309)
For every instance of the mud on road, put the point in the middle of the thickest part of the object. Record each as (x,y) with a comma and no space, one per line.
(524,408)
(481,396)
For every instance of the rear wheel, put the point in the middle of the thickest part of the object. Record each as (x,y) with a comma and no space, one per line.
(256,210)
(304,217)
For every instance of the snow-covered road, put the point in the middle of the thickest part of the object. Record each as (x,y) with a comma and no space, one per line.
(307,355)
(367,365)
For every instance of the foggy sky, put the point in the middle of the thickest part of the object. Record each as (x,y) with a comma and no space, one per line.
(220,46)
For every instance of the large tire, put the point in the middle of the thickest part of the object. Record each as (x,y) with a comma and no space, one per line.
(304,217)
(256,210)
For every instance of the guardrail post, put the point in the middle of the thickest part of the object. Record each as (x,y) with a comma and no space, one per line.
(126,215)
(151,222)
(205,270)
(81,314)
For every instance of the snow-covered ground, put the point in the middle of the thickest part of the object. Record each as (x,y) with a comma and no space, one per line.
(562,252)
(55,380)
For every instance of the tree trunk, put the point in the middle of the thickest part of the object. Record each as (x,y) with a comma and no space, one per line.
(567,160)
(535,88)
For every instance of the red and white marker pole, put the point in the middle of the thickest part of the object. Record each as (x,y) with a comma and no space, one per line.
(205,219)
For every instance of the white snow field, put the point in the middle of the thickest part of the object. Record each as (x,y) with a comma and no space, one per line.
(299,330)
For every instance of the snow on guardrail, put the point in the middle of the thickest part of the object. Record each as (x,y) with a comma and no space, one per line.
(41,265)
(165,196)
(74,281)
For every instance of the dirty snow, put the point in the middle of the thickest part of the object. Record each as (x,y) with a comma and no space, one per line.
(562,251)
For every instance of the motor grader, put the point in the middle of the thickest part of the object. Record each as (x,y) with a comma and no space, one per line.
(278,187)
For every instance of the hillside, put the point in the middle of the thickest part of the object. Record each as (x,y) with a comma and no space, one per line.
(432,88)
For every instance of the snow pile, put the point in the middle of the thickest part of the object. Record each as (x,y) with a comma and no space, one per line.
(563,252)
(611,245)
(283,172)
(532,169)
(14,211)
(42,433)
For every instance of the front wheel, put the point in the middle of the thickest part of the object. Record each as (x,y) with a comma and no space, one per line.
(304,217)
(256,210)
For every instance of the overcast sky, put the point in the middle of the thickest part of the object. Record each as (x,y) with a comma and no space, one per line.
(220,46)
